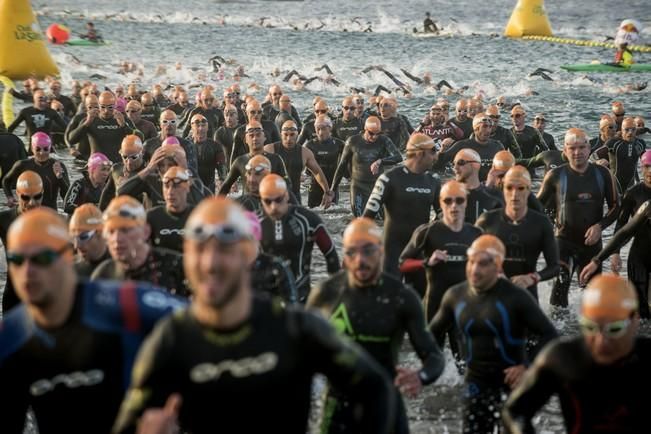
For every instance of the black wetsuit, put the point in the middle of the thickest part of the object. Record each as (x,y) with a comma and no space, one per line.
(359,155)
(493,326)
(465,126)
(529,140)
(624,159)
(524,242)
(224,137)
(532,201)
(327,154)
(271,133)
(441,132)
(283,117)
(269,113)
(167,227)
(238,170)
(12,150)
(549,159)
(342,129)
(179,109)
(271,275)
(148,129)
(376,317)
(52,186)
(293,159)
(47,121)
(550,141)
(267,362)
(190,151)
(578,200)
(504,136)
(81,144)
(80,192)
(104,136)
(118,176)
(479,201)
(211,159)
(596,143)
(396,129)
(486,151)
(9,297)
(407,199)
(84,268)
(162,267)
(151,189)
(74,376)
(595,399)
(152,116)
(213,115)
(308,132)
(292,238)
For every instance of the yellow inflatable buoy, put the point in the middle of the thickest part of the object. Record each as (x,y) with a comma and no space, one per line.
(23,53)
(7,101)
(528,18)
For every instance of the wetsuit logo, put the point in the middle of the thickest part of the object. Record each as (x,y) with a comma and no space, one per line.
(418,190)
(339,319)
(39,120)
(171,231)
(159,300)
(245,367)
(73,380)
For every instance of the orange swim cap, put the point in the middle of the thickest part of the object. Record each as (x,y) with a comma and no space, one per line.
(272,185)
(618,107)
(87,217)
(518,109)
(492,110)
(489,244)
(480,118)
(362,229)
(575,135)
(259,163)
(453,188)
(517,175)
(124,212)
(606,121)
(419,142)
(29,183)
(610,297)
(131,145)
(373,124)
(468,155)
(176,172)
(503,160)
(38,227)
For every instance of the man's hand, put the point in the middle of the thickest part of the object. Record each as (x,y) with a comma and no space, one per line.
(587,272)
(375,167)
(616,263)
(90,116)
(162,420)
(408,382)
(523,280)
(58,170)
(513,375)
(119,117)
(437,256)
(328,197)
(593,235)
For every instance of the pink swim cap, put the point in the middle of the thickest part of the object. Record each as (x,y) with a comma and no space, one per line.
(120,105)
(254,222)
(171,140)
(646,158)
(41,139)
(98,159)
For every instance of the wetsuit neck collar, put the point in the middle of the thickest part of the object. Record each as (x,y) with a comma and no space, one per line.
(485,291)
(513,221)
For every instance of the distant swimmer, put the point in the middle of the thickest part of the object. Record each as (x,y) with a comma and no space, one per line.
(91,33)
(428,25)
(542,73)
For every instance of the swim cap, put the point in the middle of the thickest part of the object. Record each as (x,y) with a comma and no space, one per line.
(171,140)
(489,244)
(503,160)
(605,121)
(130,145)
(124,212)
(254,125)
(373,123)
(453,188)
(575,135)
(492,110)
(176,172)
(106,98)
(321,105)
(518,175)
(87,217)
(610,296)
(419,142)
(468,155)
(323,120)
(41,139)
(646,158)
(288,125)
(639,122)
(480,118)
(200,117)
(272,185)
(629,122)
(134,105)
(634,25)
(259,163)
(617,107)
(461,104)
(38,227)
(30,183)
(98,159)
(518,109)
(171,150)
(254,222)
(120,104)
(362,229)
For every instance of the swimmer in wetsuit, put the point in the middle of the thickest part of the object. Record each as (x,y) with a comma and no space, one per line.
(366,154)
(436,126)
(547,159)
(461,119)
(38,117)
(88,189)
(224,134)
(254,114)
(233,349)
(131,152)
(502,162)
(132,257)
(67,351)
(407,194)
(211,159)
(601,377)
(85,228)
(326,150)
(624,153)
(528,139)
(290,232)
(466,170)
(168,130)
(375,310)
(524,232)
(607,127)
(348,124)
(577,192)
(493,318)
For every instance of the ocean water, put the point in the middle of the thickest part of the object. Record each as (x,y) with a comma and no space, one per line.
(264,36)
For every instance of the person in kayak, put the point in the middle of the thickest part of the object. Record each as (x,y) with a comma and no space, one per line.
(91,33)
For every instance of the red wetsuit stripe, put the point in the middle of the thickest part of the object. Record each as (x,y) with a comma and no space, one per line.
(323,240)
(129,303)
(577,413)
(411,265)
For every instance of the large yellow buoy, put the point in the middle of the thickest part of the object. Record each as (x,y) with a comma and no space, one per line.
(22,48)
(528,18)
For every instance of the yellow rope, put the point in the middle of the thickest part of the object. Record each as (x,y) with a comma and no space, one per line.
(586,43)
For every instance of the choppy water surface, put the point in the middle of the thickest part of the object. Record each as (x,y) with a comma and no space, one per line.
(263,36)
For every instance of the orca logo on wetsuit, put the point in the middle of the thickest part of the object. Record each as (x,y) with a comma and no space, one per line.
(418,190)
(241,368)
(71,381)
(171,231)
(107,127)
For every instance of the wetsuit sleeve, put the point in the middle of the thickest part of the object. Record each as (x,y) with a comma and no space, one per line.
(351,371)
(550,251)
(327,247)
(19,119)
(422,340)
(73,198)
(134,187)
(58,120)
(392,155)
(622,236)
(534,318)
(14,401)
(76,135)
(626,210)
(64,182)
(612,198)
(377,197)
(346,156)
(9,181)
(108,193)
(233,175)
(546,194)
(412,258)
(444,317)
(286,282)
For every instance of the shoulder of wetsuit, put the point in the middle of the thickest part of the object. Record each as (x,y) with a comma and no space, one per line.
(114,306)
(16,328)
(644,209)
(472,228)
(328,291)
(155,211)
(537,216)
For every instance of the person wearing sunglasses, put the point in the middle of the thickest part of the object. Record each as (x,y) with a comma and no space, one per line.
(526,233)
(134,113)
(206,107)
(297,158)
(224,134)
(127,233)
(270,130)
(53,172)
(308,131)
(525,138)
(498,132)
(38,117)
(168,124)
(624,154)
(461,119)
(394,126)
(348,123)
(493,319)
(105,128)
(68,348)
(85,228)
(80,147)
(406,195)
(150,110)
(326,150)
(366,154)
(88,188)
(29,189)
(210,154)
(618,112)
(540,123)
(167,221)
(577,191)
(181,102)
(284,112)
(233,348)
(436,126)
(290,232)
(231,98)
(598,150)
(600,376)
(131,152)
(373,308)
